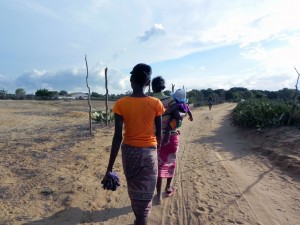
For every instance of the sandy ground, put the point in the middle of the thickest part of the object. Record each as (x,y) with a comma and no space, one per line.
(51,168)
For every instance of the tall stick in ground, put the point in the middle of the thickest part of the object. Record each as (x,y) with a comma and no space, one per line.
(173,86)
(89,95)
(294,99)
(106,99)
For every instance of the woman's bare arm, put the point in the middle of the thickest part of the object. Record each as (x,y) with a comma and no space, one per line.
(157,121)
(116,143)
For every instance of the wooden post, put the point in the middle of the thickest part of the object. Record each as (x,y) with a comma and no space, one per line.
(173,85)
(106,99)
(294,99)
(89,94)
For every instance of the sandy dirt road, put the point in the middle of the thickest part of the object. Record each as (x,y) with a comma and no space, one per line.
(221,180)
(51,172)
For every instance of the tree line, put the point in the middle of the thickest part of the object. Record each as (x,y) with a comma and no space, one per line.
(237,94)
(196,97)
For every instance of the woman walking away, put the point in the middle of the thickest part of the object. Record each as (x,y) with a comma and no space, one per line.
(167,153)
(139,114)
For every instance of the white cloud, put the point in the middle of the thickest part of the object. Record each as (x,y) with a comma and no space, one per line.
(71,80)
(251,22)
(154,31)
(277,59)
(38,73)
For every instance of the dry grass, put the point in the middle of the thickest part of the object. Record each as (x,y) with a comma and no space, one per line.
(37,142)
(49,162)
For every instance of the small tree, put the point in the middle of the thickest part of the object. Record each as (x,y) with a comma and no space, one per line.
(194,96)
(44,94)
(3,93)
(63,93)
(20,93)
(248,94)
(285,94)
(229,95)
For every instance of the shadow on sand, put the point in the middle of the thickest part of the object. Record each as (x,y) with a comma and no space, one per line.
(74,216)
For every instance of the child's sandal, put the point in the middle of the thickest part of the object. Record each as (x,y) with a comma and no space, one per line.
(170,191)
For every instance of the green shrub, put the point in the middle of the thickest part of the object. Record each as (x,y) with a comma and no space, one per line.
(261,113)
(100,116)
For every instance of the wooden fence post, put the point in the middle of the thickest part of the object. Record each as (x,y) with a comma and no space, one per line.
(89,94)
(106,99)
(294,99)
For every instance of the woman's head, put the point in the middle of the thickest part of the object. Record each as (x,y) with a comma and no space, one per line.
(158,84)
(141,74)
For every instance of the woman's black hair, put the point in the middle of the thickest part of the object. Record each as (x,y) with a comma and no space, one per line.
(141,74)
(158,84)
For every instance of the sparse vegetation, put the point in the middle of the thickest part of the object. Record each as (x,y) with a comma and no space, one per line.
(101,116)
(264,113)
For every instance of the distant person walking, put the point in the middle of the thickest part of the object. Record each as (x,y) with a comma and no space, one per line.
(209,102)
(140,114)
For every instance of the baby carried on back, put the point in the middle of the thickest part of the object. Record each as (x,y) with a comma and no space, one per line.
(177,110)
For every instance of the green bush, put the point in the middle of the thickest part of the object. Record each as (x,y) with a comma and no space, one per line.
(261,113)
(100,116)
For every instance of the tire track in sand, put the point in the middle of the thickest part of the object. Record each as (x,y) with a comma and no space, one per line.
(216,177)
(206,194)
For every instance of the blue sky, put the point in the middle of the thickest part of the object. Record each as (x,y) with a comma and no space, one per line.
(198,44)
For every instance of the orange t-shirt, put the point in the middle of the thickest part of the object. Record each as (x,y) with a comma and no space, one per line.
(138,115)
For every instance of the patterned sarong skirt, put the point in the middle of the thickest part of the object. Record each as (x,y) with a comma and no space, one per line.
(140,168)
(167,157)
